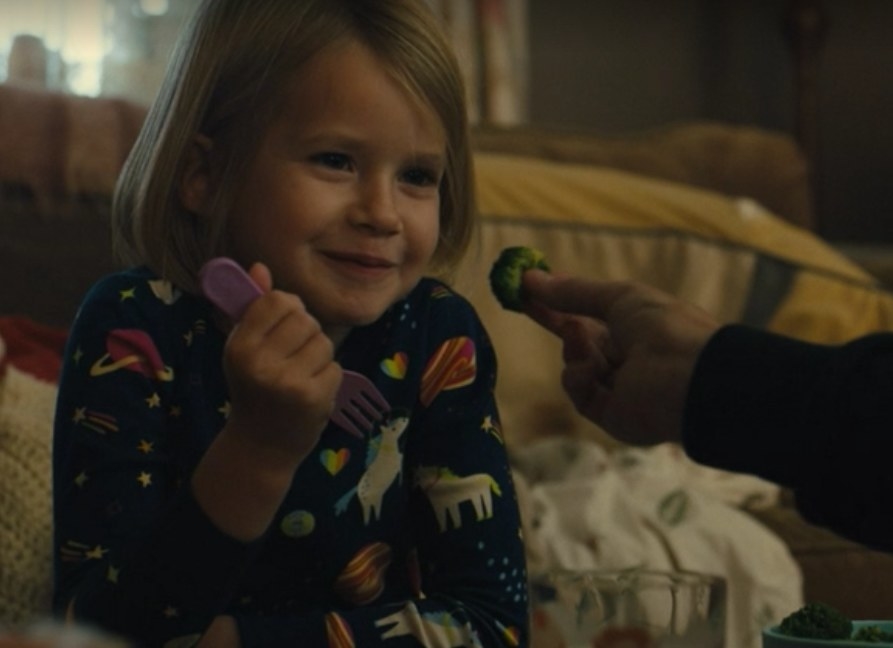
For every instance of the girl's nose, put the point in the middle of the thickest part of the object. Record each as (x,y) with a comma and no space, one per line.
(376,207)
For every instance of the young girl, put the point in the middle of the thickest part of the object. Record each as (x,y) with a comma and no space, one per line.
(203,496)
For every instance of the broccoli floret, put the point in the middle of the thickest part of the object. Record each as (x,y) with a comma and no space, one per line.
(872,634)
(817,621)
(505,275)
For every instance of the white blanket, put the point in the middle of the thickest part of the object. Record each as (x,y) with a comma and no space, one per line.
(655,508)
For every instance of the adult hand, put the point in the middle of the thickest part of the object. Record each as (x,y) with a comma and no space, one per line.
(629,351)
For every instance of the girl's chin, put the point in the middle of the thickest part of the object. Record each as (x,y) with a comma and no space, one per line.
(358,310)
(351,320)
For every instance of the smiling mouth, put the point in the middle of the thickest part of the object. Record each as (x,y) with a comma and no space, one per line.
(362,260)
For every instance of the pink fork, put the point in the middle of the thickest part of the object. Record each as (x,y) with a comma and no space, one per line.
(358,405)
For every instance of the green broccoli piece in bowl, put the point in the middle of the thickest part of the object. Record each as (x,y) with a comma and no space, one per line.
(817,621)
(507,270)
(872,634)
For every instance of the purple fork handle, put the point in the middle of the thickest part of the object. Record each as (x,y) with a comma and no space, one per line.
(228,286)
(232,290)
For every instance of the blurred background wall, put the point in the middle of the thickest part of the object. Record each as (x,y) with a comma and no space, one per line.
(602,66)
(615,66)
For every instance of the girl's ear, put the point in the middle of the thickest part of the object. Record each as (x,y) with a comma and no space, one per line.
(195,182)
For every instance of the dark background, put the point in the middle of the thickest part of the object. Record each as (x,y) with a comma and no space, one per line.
(621,66)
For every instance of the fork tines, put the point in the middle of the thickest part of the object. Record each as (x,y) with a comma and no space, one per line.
(362,412)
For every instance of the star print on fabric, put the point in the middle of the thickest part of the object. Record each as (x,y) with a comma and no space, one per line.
(145,479)
(175,411)
(81,479)
(130,293)
(146,447)
(188,338)
(111,574)
(154,401)
(77,355)
(170,612)
(101,423)
(489,426)
(224,409)
(72,551)
(96,553)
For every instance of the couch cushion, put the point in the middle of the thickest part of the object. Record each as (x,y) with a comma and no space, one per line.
(736,160)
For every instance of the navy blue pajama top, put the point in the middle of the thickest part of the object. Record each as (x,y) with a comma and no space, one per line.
(407,534)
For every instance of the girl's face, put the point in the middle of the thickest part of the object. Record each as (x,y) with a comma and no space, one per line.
(342,201)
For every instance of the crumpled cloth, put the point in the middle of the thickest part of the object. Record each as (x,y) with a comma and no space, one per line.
(584,508)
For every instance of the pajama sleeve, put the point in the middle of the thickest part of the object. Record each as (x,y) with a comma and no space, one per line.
(134,553)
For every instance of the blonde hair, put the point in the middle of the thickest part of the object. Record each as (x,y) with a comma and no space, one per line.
(222,82)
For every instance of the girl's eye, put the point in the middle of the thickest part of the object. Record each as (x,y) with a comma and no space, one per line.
(421,177)
(337,161)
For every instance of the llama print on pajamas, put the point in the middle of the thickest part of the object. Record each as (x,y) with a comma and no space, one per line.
(384,466)
(447,490)
(429,629)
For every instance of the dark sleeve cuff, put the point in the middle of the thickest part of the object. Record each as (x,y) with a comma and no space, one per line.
(817,419)
(206,564)
(185,563)
(751,402)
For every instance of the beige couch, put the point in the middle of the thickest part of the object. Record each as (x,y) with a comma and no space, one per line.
(684,207)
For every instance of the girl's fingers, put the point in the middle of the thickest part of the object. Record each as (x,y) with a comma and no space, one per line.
(261,275)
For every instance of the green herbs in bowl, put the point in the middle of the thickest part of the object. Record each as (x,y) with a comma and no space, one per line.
(818,624)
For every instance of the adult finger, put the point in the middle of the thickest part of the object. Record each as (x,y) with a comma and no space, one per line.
(549,319)
(569,294)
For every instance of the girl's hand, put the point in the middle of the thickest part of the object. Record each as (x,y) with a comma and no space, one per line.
(282,381)
(222,633)
(282,375)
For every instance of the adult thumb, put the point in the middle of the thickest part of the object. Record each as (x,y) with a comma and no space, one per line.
(573,295)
